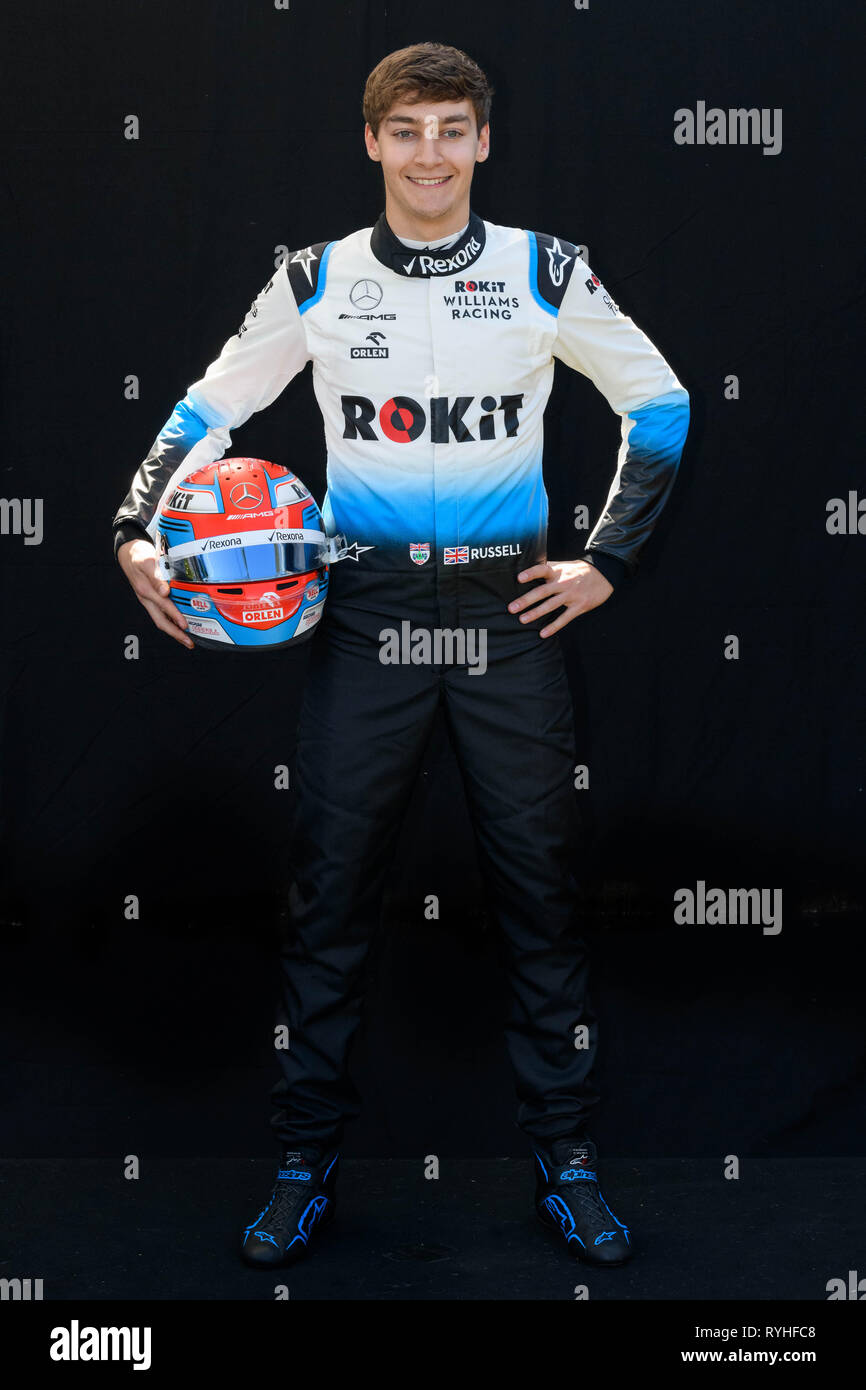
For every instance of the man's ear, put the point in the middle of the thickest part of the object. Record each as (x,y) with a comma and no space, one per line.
(483,134)
(371,143)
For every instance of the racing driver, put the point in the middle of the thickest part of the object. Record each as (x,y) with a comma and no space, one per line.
(432,336)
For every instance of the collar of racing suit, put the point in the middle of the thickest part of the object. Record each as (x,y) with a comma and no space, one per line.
(434,245)
(387,247)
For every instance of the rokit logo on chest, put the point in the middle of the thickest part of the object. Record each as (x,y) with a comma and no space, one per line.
(480,299)
(403,419)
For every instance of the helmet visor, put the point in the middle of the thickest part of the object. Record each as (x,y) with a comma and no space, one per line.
(234,564)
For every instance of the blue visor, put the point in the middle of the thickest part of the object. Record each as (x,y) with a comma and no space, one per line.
(231,566)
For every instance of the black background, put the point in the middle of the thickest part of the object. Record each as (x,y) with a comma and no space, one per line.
(155,776)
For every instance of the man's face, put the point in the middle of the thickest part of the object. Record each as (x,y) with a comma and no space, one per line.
(428,151)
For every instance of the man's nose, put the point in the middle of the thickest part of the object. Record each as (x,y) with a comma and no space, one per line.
(428,151)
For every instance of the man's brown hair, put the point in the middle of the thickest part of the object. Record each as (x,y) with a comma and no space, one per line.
(431,71)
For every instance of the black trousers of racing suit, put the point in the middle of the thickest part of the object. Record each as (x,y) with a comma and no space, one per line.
(362,733)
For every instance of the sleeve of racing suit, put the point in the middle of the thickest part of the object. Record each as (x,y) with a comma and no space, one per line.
(269,348)
(595,338)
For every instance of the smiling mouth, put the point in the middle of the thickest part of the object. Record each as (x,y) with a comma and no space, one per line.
(429,183)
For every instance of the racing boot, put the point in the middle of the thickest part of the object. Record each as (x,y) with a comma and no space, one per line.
(301,1203)
(568,1198)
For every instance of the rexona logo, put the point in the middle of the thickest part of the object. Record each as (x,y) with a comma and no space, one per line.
(220,542)
(442,265)
(286,537)
(403,419)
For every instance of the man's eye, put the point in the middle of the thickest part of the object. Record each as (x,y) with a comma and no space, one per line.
(452,130)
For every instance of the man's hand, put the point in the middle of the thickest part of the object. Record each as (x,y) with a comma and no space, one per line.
(138,560)
(574,585)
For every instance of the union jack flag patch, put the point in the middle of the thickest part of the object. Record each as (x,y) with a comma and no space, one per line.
(456,555)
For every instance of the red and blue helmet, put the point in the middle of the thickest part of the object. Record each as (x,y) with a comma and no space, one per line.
(243,547)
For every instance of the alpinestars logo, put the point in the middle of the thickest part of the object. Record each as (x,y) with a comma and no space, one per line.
(305,259)
(354,551)
(558,260)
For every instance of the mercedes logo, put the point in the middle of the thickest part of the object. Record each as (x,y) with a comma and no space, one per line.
(245,496)
(365,294)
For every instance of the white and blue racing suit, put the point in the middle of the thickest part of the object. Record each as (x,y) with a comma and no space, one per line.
(432,368)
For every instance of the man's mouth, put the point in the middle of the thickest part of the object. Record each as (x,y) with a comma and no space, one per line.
(429,183)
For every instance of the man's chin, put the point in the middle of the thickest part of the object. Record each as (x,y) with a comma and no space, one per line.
(429,209)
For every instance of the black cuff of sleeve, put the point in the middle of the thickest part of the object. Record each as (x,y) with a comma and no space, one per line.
(614,570)
(128,531)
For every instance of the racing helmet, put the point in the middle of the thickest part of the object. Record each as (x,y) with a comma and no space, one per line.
(243,547)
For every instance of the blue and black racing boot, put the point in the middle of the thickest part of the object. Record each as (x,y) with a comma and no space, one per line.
(568,1198)
(301,1203)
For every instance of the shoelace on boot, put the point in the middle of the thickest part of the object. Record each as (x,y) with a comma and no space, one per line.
(585,1193)
(286,1197)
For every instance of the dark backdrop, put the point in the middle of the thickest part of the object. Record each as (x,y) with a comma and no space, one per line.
(155,776)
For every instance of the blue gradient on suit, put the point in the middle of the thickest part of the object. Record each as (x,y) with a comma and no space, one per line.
(660,428)
(184,427)
(502,501)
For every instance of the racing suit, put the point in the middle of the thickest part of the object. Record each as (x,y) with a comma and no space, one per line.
(432,369)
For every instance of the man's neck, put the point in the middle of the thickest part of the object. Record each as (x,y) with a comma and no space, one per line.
(429,230)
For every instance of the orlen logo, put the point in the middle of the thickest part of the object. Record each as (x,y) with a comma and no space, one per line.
(403,419)
(262,615)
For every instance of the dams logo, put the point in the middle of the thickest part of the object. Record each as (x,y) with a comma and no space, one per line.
(403,419)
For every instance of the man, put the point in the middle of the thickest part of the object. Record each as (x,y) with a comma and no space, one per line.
(434,469)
